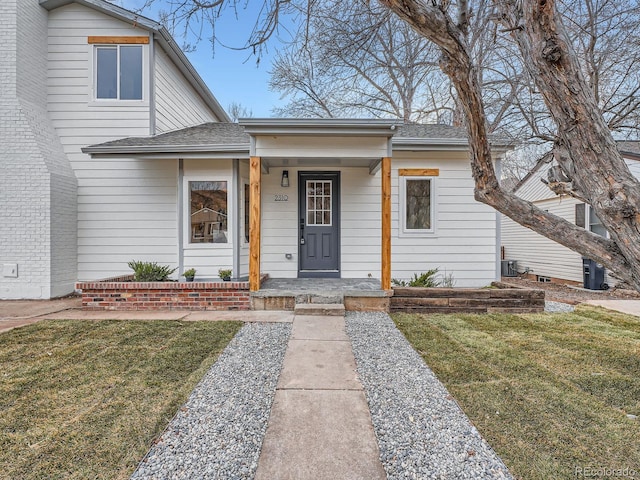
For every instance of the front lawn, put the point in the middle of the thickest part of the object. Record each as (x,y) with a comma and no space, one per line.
(549,392)
(85,399)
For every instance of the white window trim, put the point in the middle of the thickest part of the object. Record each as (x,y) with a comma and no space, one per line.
(402,201)
(306,202)
(186,204)
(587,220)
(94,100)
(243,234)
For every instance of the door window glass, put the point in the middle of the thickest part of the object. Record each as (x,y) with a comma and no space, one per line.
(319,202)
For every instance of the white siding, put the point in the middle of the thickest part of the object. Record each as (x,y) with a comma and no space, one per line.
(78,119)
(126,211)
(541,255)
(359,223)
(464,241)
(279,228)
(534,189)
(178,105)
(207,259)
(321,146)
(634,166)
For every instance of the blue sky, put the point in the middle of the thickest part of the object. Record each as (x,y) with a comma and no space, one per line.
(232,75)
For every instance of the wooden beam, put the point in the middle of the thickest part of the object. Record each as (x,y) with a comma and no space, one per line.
(118,40)
(419,172)
(254,224)
(385,280)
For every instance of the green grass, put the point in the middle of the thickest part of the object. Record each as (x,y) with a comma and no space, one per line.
(84,399)
(549,392)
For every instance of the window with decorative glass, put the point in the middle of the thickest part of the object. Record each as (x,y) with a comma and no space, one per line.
(319,202)
(209,212)
(417,205)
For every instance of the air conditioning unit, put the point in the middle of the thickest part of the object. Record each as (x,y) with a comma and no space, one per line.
(509,268)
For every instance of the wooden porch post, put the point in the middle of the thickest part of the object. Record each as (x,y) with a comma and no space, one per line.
(254,224)
(385,280)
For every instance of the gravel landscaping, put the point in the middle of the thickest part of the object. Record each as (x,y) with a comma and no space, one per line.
(421,430)
(557,307)
(218,432)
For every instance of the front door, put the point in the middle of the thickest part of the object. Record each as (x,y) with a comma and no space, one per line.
(319,224)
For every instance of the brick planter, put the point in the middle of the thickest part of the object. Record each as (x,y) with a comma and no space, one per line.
(467,300)
(120,294)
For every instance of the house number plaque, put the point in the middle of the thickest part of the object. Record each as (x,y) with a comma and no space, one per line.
(281,197)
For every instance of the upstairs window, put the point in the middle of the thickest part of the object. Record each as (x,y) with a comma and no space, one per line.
(118,72)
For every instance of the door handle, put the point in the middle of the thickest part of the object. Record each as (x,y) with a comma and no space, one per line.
(302,231)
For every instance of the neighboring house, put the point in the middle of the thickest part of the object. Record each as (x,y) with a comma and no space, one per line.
(540,256)
(185,187)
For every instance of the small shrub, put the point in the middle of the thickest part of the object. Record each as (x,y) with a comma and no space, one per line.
(190,273)
(150,271)
(448,281)
(224,273)
(425,280)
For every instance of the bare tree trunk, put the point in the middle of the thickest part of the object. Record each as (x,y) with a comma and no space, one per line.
(593,163)
(614,195)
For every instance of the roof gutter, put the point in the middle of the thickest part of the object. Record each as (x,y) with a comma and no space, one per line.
(241,148)
(408,144)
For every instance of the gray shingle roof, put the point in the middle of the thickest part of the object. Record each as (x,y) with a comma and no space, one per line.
(205,134)
(629,146)
(430,131)
(218,135)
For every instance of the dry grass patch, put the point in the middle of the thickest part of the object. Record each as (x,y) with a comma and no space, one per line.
(550,392)
(83,399)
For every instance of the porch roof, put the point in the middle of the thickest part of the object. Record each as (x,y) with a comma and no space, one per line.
(234,139)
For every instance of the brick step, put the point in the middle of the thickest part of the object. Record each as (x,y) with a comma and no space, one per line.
(332,309)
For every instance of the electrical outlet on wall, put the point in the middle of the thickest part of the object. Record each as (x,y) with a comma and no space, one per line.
(10,270)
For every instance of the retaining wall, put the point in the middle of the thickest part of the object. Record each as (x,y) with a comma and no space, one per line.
(119,294)
(467,300)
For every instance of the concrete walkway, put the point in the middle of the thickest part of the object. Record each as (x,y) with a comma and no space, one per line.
(632,307)
(18,313)
(320,426)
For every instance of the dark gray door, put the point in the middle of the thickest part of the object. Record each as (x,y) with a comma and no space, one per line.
(319,224)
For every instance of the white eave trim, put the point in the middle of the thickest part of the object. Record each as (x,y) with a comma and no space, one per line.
(240,148)
(319,126)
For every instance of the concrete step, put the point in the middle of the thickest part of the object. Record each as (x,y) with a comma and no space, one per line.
(322,298)
(319,309)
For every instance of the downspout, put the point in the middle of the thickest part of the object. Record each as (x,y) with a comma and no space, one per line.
(152,85)
(180,216)
(498,273)
(236,216)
